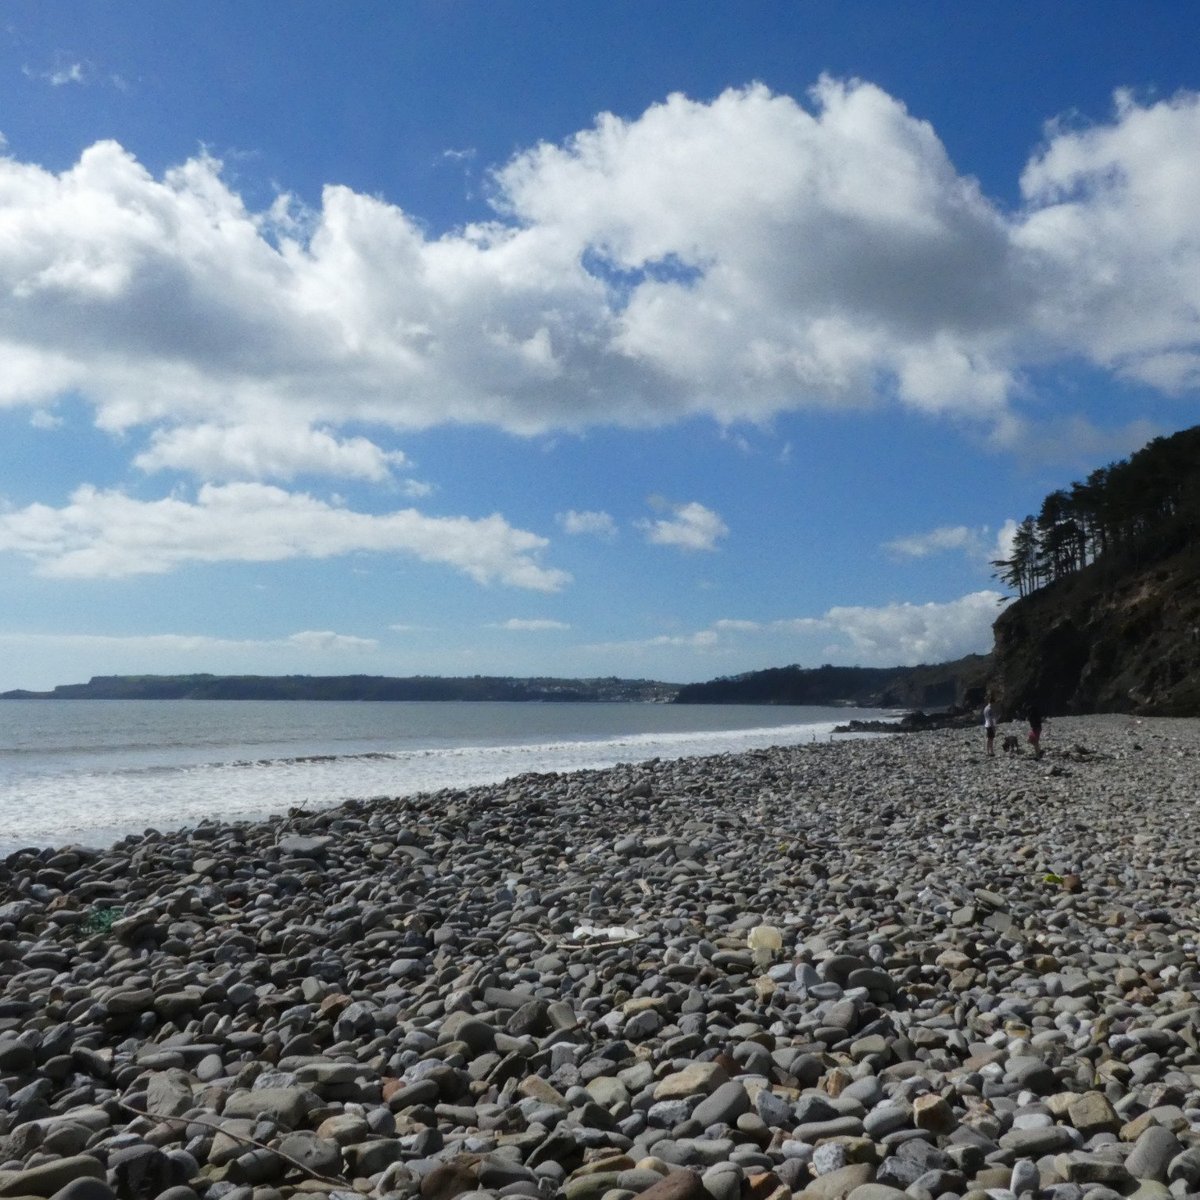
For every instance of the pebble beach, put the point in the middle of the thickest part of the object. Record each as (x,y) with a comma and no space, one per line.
(870,968)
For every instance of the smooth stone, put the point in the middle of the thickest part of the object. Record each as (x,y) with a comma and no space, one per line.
(1033,1143)
(837,1185)
(723,1107)
(50,1177)
(1024,1178)
(875,1191)
(827,1157)
(286,1106)
(1152,1154)
(696,1079)
(678,1185)
(95,1189)
(722,1184)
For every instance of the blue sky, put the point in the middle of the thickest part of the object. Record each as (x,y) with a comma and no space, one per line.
(662,340)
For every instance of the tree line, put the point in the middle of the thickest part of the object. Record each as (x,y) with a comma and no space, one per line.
(1137,509)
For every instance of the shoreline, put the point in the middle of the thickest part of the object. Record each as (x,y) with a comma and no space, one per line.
(966,972)
(170,778)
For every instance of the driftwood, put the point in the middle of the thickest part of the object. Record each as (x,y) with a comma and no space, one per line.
(341,1181)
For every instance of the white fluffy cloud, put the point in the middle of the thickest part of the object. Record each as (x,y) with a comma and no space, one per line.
(40,661)
(982,544)
(702,640)
(889,634)
(597,524)
(326,639)
(530,625)
(265,451)
(109,534)
(690,527)
(172,644)
(1003,546)
(1114,229)
(937,541)
(736,257)
(919,633)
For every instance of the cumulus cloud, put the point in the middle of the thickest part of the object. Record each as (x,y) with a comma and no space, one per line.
(891,634)
(736,257)
(73,73)
(733,625)
(326,639)
(40,418)
(190,643)
(900,634)
(529,624)
(68,71)
(981,544)
(596,524)
(63,73)
(107,534)
(1112,225)
(936,541)
(1003,546)
(43,660)
(916,633)
(908,634)
(1073,441)
(690,527)
(701,640)
(265,452)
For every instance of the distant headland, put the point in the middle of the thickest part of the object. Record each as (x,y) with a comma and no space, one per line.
(351,687)
(870,687)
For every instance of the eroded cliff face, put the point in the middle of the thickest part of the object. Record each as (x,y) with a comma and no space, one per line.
(1106,640)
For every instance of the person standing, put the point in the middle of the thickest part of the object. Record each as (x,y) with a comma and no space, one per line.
(1033,714)
(989,726)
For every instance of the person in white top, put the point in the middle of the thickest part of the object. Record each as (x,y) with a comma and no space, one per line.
(989,727)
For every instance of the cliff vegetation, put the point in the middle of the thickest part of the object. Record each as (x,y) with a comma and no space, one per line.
(941,685)
(1108,576)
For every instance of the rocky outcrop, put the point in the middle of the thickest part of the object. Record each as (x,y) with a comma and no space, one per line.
(1108,639)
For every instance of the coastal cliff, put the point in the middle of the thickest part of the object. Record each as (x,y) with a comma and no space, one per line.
(1108,618)
(1106,640)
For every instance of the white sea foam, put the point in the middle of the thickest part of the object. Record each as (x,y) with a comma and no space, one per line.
(98,793)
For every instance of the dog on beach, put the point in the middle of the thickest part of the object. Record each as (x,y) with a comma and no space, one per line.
(1011,743)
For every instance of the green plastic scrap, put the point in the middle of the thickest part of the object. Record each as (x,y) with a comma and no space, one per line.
(101,920)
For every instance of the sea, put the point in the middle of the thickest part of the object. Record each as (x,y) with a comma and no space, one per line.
(90,772)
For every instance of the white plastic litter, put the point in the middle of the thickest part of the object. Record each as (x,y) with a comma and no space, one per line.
(602,932)
(765,941)
(765,937)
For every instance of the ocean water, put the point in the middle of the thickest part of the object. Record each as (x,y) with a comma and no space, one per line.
(93,771)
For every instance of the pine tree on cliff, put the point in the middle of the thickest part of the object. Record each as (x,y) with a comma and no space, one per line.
(1134,510)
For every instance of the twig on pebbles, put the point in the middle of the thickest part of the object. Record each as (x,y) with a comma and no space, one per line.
(339,1181)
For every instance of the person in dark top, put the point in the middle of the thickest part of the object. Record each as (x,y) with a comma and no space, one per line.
(1033,714)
